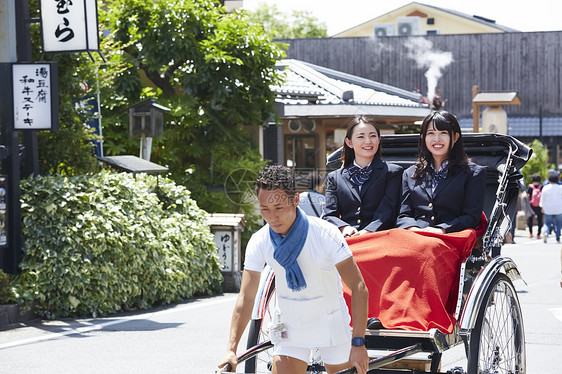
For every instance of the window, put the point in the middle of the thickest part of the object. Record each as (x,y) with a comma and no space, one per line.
(300,151)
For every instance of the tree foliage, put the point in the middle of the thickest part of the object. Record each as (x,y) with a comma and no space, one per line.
(214,70)
(279,25)
(538,163)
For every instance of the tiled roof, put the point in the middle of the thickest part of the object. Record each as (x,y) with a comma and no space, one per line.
(307,84)
(525,126)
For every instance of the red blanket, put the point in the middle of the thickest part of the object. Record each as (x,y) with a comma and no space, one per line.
(412,276)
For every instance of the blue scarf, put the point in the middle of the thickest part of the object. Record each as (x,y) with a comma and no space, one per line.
(359,175)
(288,248)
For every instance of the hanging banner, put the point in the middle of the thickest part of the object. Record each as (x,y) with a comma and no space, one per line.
(36,99)
(69,25)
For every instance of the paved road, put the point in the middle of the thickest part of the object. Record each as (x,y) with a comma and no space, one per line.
(190,337)
(184,338)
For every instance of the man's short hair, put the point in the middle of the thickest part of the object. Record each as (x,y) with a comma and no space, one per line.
(276,177)
(553,176)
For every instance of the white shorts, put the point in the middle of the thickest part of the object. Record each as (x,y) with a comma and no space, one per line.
(334,355)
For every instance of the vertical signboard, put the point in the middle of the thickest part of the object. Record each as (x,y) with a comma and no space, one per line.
(35,96)
(69,25)
(223,241)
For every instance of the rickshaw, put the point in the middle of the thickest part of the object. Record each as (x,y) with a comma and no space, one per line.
(488,313)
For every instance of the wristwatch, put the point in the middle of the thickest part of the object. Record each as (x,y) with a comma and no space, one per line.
(357,342)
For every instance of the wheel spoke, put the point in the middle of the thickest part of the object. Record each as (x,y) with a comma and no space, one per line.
(499,338)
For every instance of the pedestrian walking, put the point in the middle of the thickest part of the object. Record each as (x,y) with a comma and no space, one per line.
(551,205)
(534,192)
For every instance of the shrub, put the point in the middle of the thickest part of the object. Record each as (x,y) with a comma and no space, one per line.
(102,243)
(4,288)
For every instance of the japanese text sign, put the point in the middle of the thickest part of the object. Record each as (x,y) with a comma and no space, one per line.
(35,93)
(69,25)
(223,241)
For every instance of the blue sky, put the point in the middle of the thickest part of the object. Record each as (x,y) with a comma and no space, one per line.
(543,15)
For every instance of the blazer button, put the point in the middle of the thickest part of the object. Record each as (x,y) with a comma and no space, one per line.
(433,218)
(358,209)
(358,221)
(430,205)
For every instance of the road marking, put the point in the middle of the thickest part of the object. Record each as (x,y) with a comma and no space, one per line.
(557,312)
(199,303)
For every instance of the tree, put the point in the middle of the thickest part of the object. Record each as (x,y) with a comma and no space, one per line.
(538,163)
(278,25)
(214,70)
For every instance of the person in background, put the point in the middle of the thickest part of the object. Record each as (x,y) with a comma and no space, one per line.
(443,192)
(363,196)
(561,267)
(310,260)
(545,183)
(313,200)
(534,193)
(551,205)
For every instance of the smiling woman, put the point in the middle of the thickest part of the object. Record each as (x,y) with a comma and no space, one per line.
(443,192)
(363,195)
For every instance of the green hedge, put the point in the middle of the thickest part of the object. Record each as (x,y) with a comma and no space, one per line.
(103,243)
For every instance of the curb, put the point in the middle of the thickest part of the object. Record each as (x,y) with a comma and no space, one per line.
(10,314)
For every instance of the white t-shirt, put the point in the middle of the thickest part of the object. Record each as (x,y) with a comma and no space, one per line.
(325,242)
(316,316)
(551,199)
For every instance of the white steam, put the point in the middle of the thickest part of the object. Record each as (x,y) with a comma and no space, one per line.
(421,51)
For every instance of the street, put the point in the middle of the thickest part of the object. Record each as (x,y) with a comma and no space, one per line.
(190,337)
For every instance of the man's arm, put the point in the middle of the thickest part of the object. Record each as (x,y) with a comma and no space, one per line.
(241,316)
(353,279)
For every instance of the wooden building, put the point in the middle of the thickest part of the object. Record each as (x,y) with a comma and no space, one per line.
(526,63)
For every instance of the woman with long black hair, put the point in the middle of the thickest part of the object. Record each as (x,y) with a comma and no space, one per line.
(443,192)
(363,196)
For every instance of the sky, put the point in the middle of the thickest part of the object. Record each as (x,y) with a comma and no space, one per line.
(340,15)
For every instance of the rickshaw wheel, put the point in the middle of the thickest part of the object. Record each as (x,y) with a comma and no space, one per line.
(497,342)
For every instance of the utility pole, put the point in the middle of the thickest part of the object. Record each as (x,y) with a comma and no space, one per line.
(31,149)
(10,254)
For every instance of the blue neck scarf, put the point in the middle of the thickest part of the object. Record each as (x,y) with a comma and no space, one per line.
(359,175)
(288,248)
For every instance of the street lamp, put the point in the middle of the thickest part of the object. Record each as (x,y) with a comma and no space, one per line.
(146,119)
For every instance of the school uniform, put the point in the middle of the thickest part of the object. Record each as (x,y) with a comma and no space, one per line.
(373,206)
(455,204)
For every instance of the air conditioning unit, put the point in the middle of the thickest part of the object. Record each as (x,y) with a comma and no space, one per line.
(408,26)
(384,29)
(295,125)
(306,124)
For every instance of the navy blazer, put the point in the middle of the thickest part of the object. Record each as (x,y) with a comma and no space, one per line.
(455,205)
(374,208)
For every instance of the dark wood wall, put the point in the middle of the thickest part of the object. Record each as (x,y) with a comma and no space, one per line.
(529,63)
